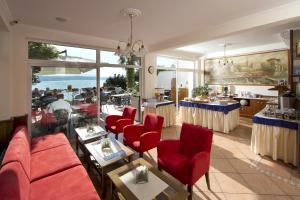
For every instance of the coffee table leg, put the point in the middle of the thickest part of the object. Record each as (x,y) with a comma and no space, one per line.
(77,144)
(111,190)
(103,183)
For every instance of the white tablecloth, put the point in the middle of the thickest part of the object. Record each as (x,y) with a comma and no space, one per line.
(215,120)
(166,111)
(277,142)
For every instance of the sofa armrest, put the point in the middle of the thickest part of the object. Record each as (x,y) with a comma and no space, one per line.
(167,147)
(133,132)
(112,119)
(149,140)
(199,166)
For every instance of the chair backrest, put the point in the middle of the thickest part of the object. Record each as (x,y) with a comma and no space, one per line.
(194,139)
(129,112)
(153,122)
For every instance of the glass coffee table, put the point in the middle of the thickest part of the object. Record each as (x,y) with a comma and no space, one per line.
(159,186)
(104,161)
(84,136)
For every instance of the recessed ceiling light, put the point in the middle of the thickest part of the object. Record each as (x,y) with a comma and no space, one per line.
(60,19)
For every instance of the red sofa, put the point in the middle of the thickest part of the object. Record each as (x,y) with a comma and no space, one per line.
(43,168)
(144,137)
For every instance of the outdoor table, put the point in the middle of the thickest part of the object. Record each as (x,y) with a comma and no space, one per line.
(278,138)
(122,99)
(222,118)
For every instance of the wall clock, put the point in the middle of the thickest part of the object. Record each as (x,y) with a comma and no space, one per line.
(151,69)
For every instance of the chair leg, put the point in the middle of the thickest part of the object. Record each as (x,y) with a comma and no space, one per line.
(207,180)
(190,190)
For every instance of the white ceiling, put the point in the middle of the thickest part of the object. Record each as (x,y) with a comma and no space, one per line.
(161,20)
(269,35)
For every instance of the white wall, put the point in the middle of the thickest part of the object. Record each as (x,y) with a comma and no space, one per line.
(149,79)
(5,75)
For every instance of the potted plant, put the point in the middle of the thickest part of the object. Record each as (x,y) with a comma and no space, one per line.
(202,91)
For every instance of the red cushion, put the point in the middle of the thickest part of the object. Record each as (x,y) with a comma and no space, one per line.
(14,184)
(18,151)
(54,160)
(72,184)
(136,145)
(22,132)
(194,139)
(175,164)
(112,129)
(48,141)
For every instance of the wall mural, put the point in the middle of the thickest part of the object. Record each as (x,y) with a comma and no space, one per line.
(265,68)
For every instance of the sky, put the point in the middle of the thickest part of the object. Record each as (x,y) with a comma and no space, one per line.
(90,54)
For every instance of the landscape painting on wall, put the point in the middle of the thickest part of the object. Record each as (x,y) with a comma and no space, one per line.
(265,68)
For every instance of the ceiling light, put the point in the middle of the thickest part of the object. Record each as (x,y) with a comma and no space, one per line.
(131,49)
(225,61)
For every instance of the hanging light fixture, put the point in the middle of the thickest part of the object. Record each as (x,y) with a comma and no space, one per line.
(225,61)
(132,50)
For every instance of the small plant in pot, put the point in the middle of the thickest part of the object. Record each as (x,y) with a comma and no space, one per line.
(141,174)
(105,144)
(202,91)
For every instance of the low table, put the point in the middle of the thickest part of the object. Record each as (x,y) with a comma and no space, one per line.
(101,165)
(165,188)
(83,137)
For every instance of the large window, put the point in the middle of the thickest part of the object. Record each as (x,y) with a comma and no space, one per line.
(176,76)
(63,98)
(46,51)
(83,84)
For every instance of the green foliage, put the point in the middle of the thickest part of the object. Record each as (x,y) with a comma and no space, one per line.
(130,77)
(116,81)
(131,60)
(201,90)
(38,50)
(34,76)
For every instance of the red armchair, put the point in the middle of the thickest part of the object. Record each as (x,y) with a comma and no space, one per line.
(187,159)
(144,137)
(116,123)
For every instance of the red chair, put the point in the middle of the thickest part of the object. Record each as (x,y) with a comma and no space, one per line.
(187,159)
(116,123)
(144,137)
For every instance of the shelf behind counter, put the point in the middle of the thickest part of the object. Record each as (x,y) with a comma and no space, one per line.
(254,105)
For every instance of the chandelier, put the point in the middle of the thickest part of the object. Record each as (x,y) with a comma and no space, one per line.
(131,50)
(225,61)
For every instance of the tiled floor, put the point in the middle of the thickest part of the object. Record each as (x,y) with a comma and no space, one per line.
(236,173)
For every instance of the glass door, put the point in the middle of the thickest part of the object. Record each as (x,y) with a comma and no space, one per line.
(63,99)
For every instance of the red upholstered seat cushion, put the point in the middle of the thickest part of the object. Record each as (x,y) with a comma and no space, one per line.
(48,141)
(71,184)
(54,160)
(175,164)
(112,129)
(18,151)
(136,145)
(14,183)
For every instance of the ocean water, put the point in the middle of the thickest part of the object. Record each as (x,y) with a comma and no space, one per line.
(61,82)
